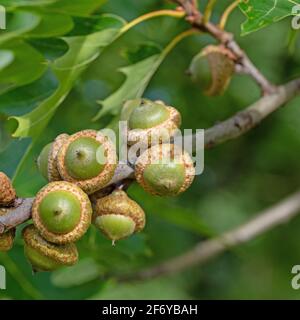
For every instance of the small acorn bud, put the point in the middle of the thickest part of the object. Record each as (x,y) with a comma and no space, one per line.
(46,256)
(152,120)
(87,159)
(7,191)
(118,216)
(165,170)
(62,212)
(7,238)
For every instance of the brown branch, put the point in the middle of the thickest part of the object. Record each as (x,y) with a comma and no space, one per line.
(203,252)
(220,133)
(247,119)
(243,63)
(18,214)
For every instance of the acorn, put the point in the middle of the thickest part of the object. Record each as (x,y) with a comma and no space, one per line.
(42,161)
(46,256)
(128,108)
(47,160)
(87,159)
(7,238)
(152,122)
(212,69)
(62,212)
(165,170)
(7,191)
(118,216)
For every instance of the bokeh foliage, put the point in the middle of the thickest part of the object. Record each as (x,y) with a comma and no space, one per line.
(59,91)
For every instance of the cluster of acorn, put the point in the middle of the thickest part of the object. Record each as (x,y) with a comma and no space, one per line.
(79,168)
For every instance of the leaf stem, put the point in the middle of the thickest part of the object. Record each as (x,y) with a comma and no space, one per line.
(150,15)
(227,13)
(208,10)
(178,38)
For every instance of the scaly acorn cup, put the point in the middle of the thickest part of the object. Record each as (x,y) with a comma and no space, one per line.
(152,122)
(118,216)
(53,173)
(165,170)
(88,159)
(7,238)
(7,191)
(213,69)
(46,256)
(47,160)
(62,212)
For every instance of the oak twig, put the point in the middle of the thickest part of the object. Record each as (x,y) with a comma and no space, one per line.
(220,133)
(243,63)
(203,252)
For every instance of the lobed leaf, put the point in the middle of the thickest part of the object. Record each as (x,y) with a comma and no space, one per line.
(261,14)
(20,23)
(27,66)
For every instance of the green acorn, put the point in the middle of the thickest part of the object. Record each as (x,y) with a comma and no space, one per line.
(88,159)
(46,256)
(165,170)
(62,212)
(152,120)
(47,160)
(212,69)
(118,216)
(42,161)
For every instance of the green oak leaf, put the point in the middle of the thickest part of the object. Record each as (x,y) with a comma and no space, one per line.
(19,23)
(138,76)
(27,66)
(52,25)
(263,13)
(25,3)
(83,50)
(75,7)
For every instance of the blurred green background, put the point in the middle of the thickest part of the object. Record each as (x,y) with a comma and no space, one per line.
(241,177)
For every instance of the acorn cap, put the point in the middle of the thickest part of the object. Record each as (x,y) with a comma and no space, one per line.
(165,170)
(7,238)
(119,204)
(84,219)
(213,69)
(7,191)
(64,255)
(162,131)
(94,184)
(53,173)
